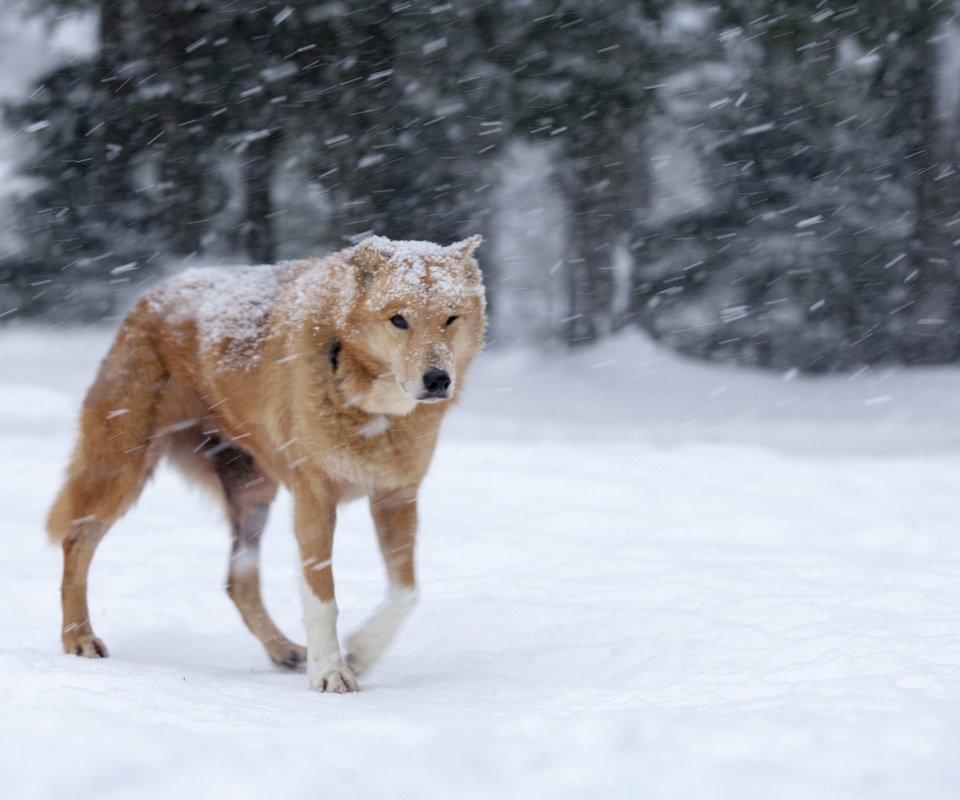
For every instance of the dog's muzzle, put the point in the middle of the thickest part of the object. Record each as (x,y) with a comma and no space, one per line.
(436,385)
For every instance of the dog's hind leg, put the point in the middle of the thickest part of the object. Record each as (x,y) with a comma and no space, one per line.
(395,517)
(114,455)
(248,493)
(77,633)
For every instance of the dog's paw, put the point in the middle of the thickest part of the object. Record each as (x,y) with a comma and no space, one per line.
(339,680)
(367,645)
(360,656)
(356,662)
(293,656)
(84,644)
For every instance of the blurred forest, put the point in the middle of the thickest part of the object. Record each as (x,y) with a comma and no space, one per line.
(768,182)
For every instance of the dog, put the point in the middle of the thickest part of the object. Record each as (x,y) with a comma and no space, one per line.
(329,376)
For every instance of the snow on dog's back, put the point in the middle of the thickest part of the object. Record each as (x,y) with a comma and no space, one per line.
(227,305)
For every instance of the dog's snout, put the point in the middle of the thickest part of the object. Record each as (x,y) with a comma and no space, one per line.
(436,382)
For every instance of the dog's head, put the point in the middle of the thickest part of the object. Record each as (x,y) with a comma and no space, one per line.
(418,321)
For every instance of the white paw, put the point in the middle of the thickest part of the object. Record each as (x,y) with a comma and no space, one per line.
(359,656)
(369,643)
(339,680)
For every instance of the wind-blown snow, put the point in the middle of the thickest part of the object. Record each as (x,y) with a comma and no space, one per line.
(640,577)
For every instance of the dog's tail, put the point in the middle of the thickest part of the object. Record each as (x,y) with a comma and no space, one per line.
(115,451)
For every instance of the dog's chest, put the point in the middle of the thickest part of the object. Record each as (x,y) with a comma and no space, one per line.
(378,453)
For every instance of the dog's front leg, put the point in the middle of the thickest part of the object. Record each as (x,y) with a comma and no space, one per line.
(315,516)
(395,517)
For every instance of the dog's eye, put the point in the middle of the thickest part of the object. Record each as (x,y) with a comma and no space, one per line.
(452,319)
(399,321)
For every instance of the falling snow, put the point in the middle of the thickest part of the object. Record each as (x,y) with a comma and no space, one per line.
(692,533)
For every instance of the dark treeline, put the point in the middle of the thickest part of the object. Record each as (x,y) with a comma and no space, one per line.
(769,182)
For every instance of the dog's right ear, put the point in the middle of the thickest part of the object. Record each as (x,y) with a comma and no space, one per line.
(465,248)
(369,256)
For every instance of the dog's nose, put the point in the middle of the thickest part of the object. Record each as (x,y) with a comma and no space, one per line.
(436,382)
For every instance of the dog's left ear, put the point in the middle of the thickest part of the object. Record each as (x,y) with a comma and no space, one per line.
(465,248)
(369,256)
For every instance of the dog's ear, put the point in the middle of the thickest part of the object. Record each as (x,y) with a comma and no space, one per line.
(464,249)
(369,255)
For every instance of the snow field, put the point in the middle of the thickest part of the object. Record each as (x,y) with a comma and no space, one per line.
(633,584)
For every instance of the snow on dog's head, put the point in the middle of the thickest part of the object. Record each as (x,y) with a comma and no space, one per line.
(419,317)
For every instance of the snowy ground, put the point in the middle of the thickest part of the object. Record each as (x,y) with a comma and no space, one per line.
(641,577)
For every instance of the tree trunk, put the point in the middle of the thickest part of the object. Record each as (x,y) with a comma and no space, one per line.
(370,163)
(258,220)
(600,200)
(112,136)
(933,322)
(181,186)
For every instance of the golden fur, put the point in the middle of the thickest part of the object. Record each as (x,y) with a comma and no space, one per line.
(297,375)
